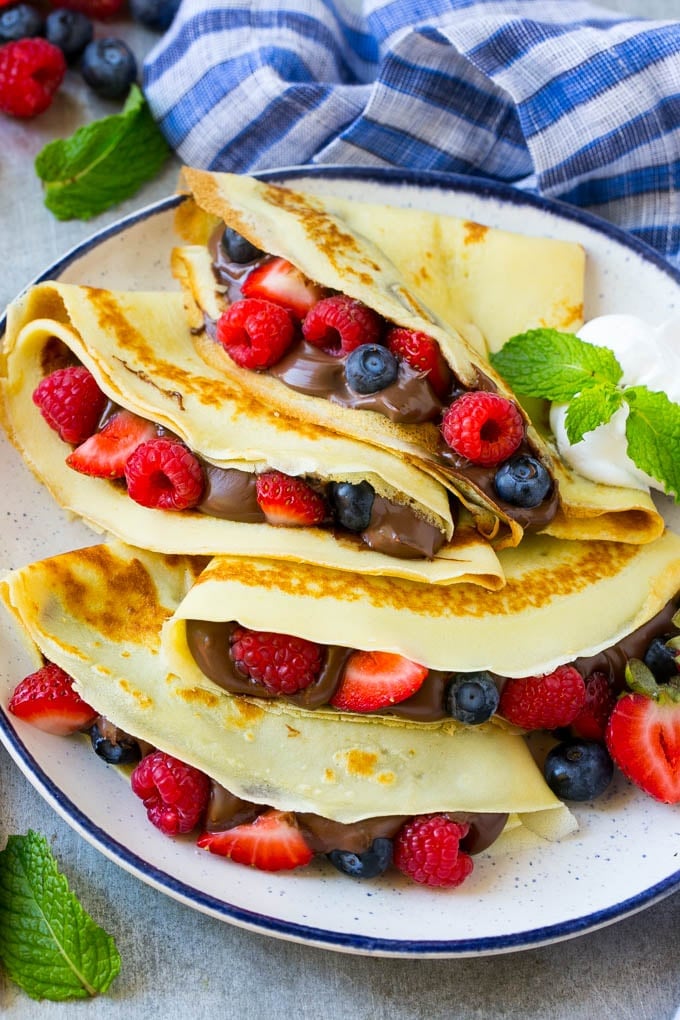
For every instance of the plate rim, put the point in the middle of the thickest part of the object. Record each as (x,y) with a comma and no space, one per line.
(121,855)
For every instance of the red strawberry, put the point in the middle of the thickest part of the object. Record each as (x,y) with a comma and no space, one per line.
(71,402)
(543,702)
(374,680)
(421,352)
(272,842)
(105,454)
(643,735)
(591,721)
(46,699)
(279,281)
(483,427)
(339,324)
(255,333)
(288,501)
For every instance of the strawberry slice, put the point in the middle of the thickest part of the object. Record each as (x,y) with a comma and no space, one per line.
(421,352)
(288,501)
(104,454)
(46,699)
(272,842)
(279,281)
(374,680)
(643,738)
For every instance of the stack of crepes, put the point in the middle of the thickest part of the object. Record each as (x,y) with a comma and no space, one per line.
(483,585)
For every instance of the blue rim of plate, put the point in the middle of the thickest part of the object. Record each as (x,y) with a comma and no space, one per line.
(182,891)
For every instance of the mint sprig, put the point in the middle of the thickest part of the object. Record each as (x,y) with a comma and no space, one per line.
(49,945)
(563,368)
(103,163)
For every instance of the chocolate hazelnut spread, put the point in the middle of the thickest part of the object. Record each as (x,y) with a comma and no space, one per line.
(208,643)
(307,369)
(230,494)
(396,530)
(225,811)
(409,400)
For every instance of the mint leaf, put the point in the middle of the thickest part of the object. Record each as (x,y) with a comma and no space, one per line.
(103,162)
(50,947)
(556,366)
(592,407)
(653,434)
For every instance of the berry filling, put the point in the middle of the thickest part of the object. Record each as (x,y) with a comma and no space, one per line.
(160,472)
(332,346)
(578,696)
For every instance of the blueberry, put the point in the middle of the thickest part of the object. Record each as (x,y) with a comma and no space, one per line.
(20,22)
(370,368)
(369,864)
(661,660)
(237,248)
(522,481)
(71,31)
(155,14)
(113,745)
(578,769)
(109,67)
(471,698)
(352,504)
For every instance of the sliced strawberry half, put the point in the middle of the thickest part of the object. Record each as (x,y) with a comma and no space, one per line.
(374,680)
(279,281)
(643,738)
(273,842)
(288,501)
(105,454)
(46,699)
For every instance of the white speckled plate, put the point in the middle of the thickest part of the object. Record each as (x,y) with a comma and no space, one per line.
(625,855)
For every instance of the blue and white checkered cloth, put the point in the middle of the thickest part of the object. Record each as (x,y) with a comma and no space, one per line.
(560,97)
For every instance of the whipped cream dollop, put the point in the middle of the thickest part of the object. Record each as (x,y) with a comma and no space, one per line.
(649,356)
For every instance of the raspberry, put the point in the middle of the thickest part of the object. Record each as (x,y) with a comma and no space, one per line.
(175,795)
(98,9)
(543,702)
(483,427)
(591,721)
(282,663)
(421,352)
(427,849)
(339,324)
(71,403)
(164,475)
(31,71)
(255,333)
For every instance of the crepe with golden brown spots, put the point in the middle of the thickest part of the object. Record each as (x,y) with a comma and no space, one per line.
(98,613)
(139,348)
(468,286)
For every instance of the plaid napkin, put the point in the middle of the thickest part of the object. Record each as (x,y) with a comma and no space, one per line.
(560,97)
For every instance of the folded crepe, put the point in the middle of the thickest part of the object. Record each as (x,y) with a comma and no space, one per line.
(467,286)
(75,610)
(139,349)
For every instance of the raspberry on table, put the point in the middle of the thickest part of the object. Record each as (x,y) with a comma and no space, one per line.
(282,663)
(31,71)
(255,333)
(543,702)
(98,9)
(484,427)
(338,324)
(175,795)
(71,402)
(164,475)
(427,850)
